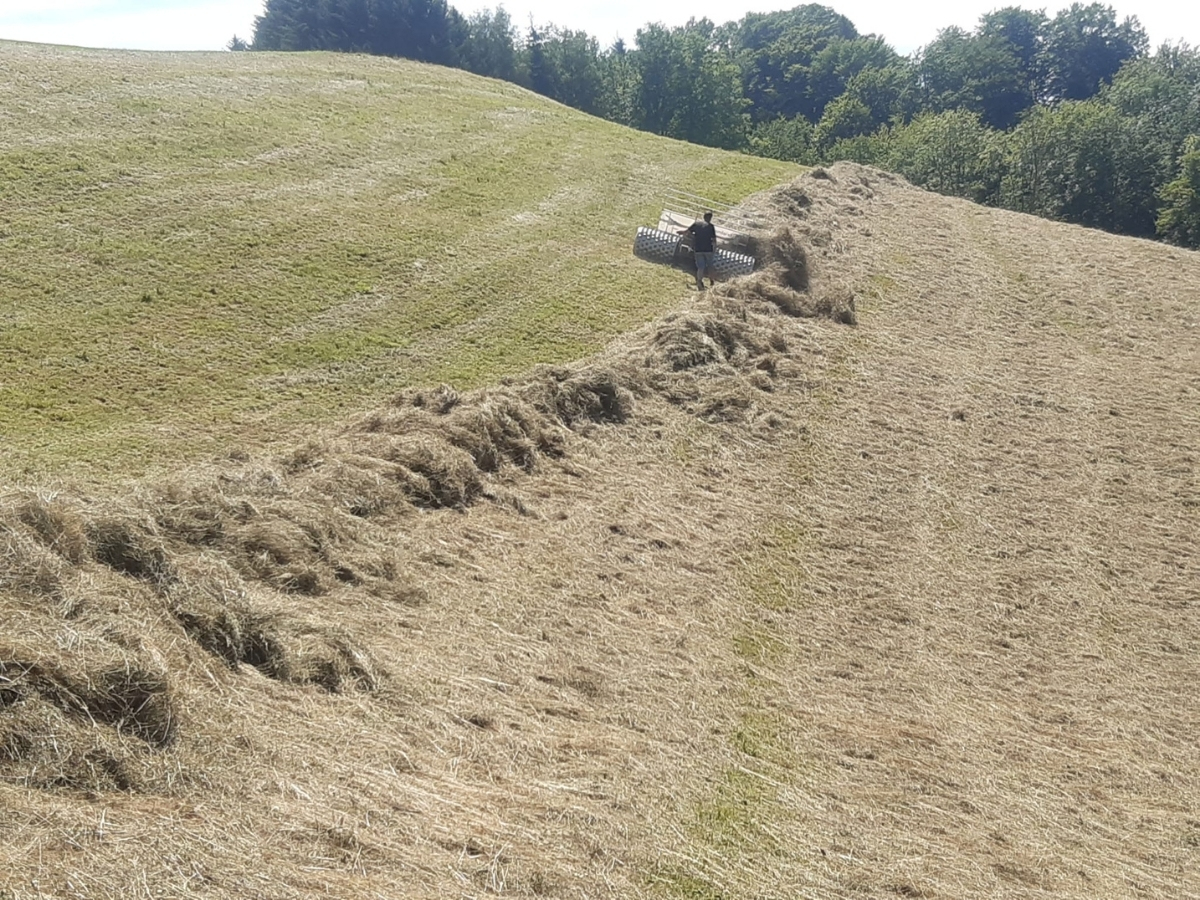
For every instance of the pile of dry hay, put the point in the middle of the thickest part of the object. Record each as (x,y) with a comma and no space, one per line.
(121,614)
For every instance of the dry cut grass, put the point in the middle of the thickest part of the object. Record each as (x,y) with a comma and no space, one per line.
(752,604)
(285,624)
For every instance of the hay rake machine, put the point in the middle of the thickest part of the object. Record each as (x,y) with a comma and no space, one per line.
(664,245)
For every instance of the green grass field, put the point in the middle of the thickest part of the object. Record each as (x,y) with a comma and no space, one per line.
(205,251)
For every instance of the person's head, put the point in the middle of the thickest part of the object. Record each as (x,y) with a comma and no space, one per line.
(708,217)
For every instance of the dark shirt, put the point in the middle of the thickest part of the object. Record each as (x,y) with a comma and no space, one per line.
(706,236)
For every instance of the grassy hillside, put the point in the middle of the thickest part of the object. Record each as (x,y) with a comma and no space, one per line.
(206,250)
(872,575)
(749,605)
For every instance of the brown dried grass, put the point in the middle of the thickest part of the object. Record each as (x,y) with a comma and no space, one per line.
(792,609)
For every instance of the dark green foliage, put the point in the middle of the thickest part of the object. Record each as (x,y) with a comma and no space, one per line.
(686,88)
(619,91)
(428,30)
(1179,218)
(1160,96)
(845,117)
(790,139)
(1025,33)
(819,24)
(1079,162)
(566,66)
(540,79)
(888,94)
(774,53)
(979,73)
(1085,48)
(842,61)
(947,152)
(490,47)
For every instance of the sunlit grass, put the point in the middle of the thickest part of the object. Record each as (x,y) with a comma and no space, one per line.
(199,251)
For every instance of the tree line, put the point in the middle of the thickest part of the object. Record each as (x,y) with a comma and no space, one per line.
(1069,117)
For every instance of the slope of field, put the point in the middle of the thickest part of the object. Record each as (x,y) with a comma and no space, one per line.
(205,249)
(752,604)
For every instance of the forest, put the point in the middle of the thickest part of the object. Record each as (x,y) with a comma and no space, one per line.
(1071,117)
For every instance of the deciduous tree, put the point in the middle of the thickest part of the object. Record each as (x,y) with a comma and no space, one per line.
(1179,218)
(1085,47)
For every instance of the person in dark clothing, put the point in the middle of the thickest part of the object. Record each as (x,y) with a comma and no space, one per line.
(705,245)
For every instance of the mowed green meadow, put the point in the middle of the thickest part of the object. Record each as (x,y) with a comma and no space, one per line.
(202,253)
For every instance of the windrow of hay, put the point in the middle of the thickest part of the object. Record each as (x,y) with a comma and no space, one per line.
(751,605)
(137,626)
(82,700)
(214,556)
(783,275)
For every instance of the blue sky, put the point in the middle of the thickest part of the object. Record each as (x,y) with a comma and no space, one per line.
(209,24)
